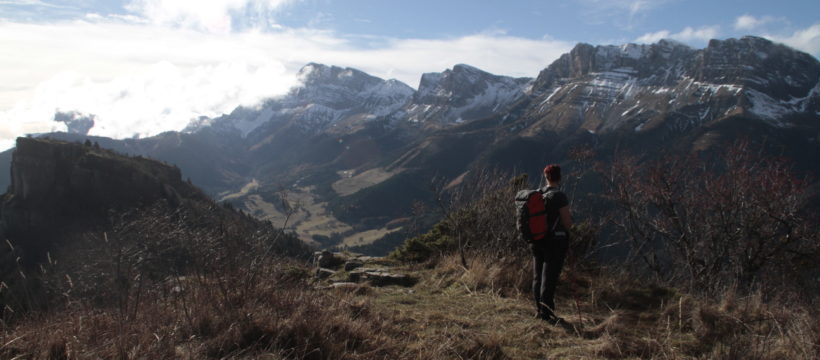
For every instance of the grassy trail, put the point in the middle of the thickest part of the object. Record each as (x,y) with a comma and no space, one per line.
(485,312)
(447,313)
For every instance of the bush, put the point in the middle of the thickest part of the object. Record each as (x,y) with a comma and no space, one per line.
(423,247)
(478,216)
(739,217)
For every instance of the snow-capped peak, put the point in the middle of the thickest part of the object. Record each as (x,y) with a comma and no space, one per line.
(325,95)
(463,93)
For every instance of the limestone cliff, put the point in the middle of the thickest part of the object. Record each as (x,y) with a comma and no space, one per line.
(58,185)
(87,221)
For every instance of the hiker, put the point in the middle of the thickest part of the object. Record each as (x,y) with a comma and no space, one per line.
(549,253)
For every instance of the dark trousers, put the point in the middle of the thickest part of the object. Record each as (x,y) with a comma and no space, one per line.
(548,259)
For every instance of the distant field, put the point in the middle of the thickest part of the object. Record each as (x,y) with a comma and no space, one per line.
(367,237)
(253,185)
(350,185)
(319,221)
(311,218)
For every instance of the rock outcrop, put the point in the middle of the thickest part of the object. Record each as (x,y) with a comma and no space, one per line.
(57,187)
(54,181)
(669,85)
(344,270)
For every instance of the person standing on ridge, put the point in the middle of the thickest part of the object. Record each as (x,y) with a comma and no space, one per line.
(549,253)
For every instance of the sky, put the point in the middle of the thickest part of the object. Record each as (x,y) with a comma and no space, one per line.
(141,67)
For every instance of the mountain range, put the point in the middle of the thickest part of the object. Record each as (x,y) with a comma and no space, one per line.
(346,157)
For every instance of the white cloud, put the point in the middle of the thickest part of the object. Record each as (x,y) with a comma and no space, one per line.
(807,39)
(688,35)
(704,33)
(749,22)
(654,37)
(160,97)
(143,79)
(407,59)
(210,15)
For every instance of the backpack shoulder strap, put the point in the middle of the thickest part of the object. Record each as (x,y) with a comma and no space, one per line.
(548,194)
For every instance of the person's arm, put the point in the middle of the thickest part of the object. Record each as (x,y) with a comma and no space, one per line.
(566,218)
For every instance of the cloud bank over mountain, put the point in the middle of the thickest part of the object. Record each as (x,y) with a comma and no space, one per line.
(141,67)
(141,79)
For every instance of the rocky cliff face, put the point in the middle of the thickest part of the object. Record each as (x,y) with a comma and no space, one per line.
(343,100)
(65,196)
(666,87)
(56,184)
(462,94)
(642,87)
(101,220)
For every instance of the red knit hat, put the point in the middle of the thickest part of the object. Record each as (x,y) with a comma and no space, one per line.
(553,172)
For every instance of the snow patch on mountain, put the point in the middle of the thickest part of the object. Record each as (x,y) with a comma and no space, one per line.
(325,95)
(772,109)
(247,124)
(802,103)
(427,85)
(313,117)
(629,51)
(464,93)
(610,85)
(766,107)
(386,97)
(494,97)
(602,85)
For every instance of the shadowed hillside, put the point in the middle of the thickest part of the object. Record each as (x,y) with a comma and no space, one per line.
(161,282)
(78,218)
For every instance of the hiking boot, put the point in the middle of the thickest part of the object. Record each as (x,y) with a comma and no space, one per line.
(545,317)
(553,319)
(557,321)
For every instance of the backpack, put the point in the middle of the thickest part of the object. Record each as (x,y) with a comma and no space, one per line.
(531,214)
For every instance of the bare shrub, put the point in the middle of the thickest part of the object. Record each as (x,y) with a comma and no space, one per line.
(751,328)
(651,322)
(481,212)
(737,218)
(281,316)
(478,216)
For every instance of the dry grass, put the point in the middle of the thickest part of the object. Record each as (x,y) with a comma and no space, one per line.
(479,312)
(609,315)
(281,317)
